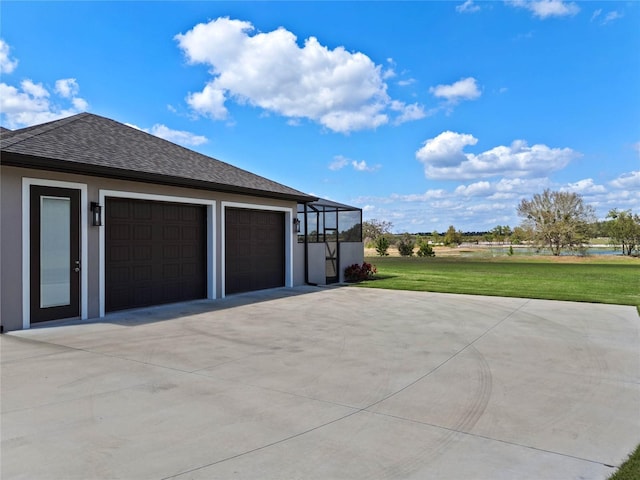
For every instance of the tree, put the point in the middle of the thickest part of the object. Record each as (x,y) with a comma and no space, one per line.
(452,236)
(558,220)
(425,250)
(500,233)
(405,245)
(373,228)
(382,246)
(624,230)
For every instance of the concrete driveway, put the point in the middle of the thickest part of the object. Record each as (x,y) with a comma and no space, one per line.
(326,383)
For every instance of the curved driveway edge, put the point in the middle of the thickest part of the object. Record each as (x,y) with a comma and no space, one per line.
(326,383)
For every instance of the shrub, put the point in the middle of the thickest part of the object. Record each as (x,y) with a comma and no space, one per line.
(382,245)
(358,273)
(405,246)
(425,250)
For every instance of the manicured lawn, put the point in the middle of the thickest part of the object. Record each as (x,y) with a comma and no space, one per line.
(601,279)
(630,470)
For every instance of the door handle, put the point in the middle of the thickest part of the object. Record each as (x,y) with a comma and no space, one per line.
(77,268)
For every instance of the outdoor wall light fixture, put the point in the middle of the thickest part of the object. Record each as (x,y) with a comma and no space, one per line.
(96,214)
(296,223)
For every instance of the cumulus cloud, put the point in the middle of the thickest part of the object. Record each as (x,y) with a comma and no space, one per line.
(444,158)
(32,103)
(628,181)
(463,89)
(362,166)
(341,90)
(339,162)
(176,136)
(477,189)
(585,186)
(7,64)
(468,7)
(547,8)
(67,87)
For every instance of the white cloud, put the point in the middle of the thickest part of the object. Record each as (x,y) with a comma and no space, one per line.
(409,112)
(611,16)
(628,181)
(477,189)
(585,186)
(32,102)
(444,158)
(338,163)
(463,89)
(608,18)
(341,90)
(35,90)
(548,8)
(67,87)
(408,81)
(7,65)
(468,7)
(362,166)
(176,136)
(445,150)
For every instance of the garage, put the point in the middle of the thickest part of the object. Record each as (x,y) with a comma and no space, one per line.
(155,253)
(254,250)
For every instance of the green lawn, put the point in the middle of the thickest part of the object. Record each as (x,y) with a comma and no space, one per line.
(630,470)
(613,280)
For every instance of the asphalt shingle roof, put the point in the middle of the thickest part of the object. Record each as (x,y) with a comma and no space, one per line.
(91,144)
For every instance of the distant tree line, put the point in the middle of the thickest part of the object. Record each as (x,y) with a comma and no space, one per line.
(553,220)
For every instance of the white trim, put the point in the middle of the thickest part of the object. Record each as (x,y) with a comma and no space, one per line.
(211,238)
(288,231)
(26,244)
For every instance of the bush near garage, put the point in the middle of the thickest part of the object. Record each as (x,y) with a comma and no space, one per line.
(357,273)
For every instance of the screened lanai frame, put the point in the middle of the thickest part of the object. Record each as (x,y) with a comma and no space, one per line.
(315,218)
(331,223)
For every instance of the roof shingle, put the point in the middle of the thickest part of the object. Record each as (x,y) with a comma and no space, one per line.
(91,144)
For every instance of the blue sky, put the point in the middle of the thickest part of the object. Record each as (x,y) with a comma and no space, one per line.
(425,114)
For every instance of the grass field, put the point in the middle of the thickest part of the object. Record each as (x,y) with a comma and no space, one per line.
(630,470)
(599,279)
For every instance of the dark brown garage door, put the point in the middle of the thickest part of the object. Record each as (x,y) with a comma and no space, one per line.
(254,250)
(155,253)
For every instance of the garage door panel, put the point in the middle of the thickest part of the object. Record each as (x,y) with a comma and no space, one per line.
(150,260)
(254,250)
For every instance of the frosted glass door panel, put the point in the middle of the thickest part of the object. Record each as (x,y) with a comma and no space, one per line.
(55,251)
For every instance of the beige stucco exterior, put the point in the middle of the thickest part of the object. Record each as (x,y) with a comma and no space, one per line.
(12,243)
(14,181)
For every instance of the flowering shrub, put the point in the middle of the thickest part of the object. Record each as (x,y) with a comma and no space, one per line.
(357,273)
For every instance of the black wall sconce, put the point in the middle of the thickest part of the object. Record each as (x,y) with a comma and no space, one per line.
(96,214)
(296,224)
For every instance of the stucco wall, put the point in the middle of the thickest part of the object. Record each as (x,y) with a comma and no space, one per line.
(317,265)
(350,253)
(11,242)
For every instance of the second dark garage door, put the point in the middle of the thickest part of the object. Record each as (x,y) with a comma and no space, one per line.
(155,253)
(254,250)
